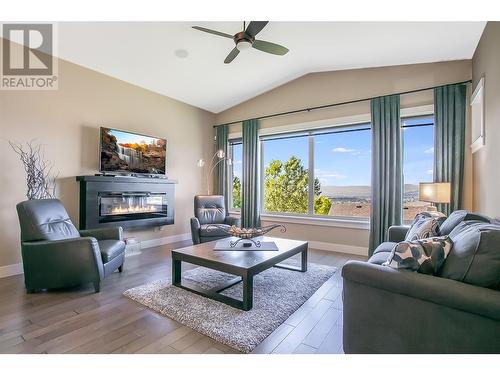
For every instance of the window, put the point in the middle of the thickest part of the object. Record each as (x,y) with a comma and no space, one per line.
(342,167)
(285,174)
(236,154)
(418,161)
(324,172)
(327,172)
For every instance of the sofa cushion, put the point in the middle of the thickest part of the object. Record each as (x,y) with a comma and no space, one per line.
(110,249)
(385,247)
(425,225)
(209,230)
(379,258)
(382,252)
(425,256)
(456,217)
(475,257)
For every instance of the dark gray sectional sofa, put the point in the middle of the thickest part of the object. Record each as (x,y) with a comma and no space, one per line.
(457,311)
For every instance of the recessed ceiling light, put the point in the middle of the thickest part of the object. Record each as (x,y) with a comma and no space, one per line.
(181,53)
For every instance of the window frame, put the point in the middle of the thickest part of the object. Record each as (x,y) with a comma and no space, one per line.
(310,134)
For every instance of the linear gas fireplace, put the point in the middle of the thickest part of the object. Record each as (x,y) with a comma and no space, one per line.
(131,206)
(125,201)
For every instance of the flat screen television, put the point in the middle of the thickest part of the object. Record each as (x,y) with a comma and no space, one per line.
(122,152)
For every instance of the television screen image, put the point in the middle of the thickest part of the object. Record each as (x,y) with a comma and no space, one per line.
(124,152)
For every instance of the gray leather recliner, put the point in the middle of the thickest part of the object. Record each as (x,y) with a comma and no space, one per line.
(55,254)
(210,209)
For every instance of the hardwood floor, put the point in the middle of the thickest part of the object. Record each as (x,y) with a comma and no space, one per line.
(80,321)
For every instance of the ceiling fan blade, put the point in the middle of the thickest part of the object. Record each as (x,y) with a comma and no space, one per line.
(210,31)
(231,55)
(269,47)
(255,27)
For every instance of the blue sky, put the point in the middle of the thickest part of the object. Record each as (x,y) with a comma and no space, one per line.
(344,159)
(418,154)
(124,137)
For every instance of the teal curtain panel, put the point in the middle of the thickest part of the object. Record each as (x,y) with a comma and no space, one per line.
(387,168)
(250,205)
(222,170)
(449,141)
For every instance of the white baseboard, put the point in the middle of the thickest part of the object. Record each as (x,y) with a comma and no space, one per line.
(17,269)
(11,270)
(165,240)
(339,248)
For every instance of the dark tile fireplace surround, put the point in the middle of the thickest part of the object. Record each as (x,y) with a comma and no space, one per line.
(130,202)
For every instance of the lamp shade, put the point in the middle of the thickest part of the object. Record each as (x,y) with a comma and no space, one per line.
(434,192)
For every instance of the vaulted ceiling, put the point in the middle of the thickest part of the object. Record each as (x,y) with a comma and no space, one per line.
(175,60)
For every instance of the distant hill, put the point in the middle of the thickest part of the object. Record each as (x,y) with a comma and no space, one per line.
(358,191)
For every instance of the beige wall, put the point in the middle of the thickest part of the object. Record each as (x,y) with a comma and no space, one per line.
(66,121)
(348,240)
(486,62)
(338,86)
(331,87)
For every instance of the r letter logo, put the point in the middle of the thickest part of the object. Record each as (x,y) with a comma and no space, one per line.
(27,57)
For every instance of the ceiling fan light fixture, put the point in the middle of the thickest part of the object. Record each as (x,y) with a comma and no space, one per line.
(245,39)
(244,45)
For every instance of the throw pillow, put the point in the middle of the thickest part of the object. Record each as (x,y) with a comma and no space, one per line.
(424,226)
(424,256)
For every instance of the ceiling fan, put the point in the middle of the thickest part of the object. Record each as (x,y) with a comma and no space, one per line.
(246,39)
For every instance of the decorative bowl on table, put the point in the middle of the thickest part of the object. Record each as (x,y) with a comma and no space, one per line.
(246,234)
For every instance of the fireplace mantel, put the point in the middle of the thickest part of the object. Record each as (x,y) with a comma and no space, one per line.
(140,201)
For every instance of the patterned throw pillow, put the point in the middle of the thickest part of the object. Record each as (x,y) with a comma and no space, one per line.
(424,256)
(424,226)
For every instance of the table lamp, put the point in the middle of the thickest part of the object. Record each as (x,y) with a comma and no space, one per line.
(434,192)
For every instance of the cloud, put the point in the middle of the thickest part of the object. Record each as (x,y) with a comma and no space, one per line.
(429,150)
(429,171)
(343,149)
(323,175)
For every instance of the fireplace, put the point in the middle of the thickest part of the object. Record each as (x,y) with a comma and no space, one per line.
(129,202)
(131,206)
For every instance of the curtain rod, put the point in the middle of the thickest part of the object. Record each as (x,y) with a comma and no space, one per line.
(340,103)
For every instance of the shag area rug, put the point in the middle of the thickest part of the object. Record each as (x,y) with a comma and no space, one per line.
(277,294)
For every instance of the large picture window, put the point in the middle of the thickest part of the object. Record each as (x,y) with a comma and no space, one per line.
(418,161)
(327,172)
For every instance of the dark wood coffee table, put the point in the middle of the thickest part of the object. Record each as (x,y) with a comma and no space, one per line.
(244,264)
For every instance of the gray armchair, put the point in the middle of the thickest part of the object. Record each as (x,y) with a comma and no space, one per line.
(210,209)
(55,254)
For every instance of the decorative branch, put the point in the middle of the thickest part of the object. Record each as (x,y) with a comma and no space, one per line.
(40,179)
